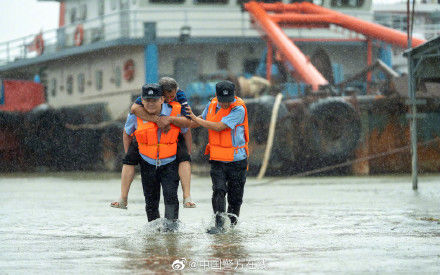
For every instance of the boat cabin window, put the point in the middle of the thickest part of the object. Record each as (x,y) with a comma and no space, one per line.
(347,3)
(211,1)
(316,2)
(113,4)
(241,2)
(167,1)
(222,60)
(250,66)
(81,82)
(83,12)
(118,76)
(124,4)
(69,85)
(53,87)
(98,80)
(101,7)
(72,15)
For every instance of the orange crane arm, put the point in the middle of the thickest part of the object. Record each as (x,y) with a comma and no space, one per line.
(303,18)
(366,28)
(293,54)
(306,14)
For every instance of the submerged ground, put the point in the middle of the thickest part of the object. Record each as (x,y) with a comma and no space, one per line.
(51,223)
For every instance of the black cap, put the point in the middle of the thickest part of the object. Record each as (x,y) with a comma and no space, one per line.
(224,90)
(151,91)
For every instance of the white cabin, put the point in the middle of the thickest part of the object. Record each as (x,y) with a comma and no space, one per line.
(85,60)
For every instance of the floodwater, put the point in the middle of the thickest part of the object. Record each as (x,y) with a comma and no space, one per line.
(62,223)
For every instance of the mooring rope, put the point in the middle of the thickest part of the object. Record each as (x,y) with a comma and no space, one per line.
(270,137)
(347,163)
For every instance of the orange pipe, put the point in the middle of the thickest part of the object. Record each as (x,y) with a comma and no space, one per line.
(62,14)
(369,63)
(309,15)
(269,61)
(303,18)
(280,7)
(328,40)
(305,26)
(366,28)
(292,53)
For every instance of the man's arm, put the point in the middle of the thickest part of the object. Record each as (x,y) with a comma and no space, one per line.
(162,122)
(181,122)
(194,124)
(140,112)
(191,114)
(129,128)
(230,121)
(126,140)
(216,126)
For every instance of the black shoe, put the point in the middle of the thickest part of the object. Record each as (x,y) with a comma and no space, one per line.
(215,230)
(170,226)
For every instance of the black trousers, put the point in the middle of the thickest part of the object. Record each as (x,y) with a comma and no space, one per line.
(153,178)
(228,178)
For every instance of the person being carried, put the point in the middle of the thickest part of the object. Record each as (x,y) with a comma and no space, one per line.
(158,151)
(226,119)
(171,93)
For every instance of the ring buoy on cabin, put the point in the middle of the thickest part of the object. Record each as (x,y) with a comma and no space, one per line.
(39,44)
(79,35)
(129,70)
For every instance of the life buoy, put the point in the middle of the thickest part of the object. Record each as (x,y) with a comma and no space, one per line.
(39,44)
(79,35)
(129,70)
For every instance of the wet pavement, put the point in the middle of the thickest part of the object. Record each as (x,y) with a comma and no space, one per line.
(62,223)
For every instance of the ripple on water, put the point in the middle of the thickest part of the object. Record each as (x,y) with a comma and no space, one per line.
(312,225)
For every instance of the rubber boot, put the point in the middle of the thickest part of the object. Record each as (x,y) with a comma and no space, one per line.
(233,209)
(171,217)
(219,207)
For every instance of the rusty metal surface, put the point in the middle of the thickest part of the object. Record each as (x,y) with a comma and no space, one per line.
(386,135)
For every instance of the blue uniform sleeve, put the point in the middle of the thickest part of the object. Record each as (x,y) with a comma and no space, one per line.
(138,101)
(205,111)
(181,98)
(183,130)
(235,117)
(130,124)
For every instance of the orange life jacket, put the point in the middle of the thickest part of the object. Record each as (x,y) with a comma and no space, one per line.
(220,145)
(146,136)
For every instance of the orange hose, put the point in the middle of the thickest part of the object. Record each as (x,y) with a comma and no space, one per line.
(292,53)
(306,14)
(366,28)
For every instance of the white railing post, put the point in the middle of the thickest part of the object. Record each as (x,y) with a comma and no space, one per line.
(7,52)
(24,47)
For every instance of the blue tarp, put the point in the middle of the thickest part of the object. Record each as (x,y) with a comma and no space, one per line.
(2,93)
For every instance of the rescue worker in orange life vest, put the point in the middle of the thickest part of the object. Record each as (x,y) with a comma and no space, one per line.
(158,151)
(226,119)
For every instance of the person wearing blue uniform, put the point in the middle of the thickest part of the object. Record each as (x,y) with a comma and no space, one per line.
(157,151)
(171,93)
(226,119)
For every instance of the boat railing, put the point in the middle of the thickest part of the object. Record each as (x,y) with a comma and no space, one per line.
(148,24)
(144,24)
(399,22)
